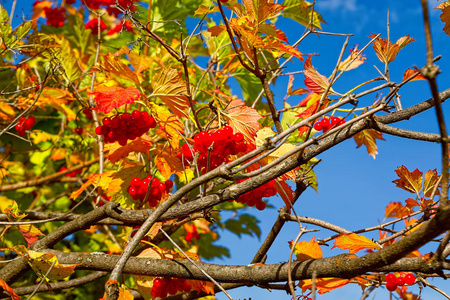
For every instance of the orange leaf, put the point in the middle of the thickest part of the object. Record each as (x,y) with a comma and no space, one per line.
(38,9)
(311,102)
(124,294)
(386,51)
(30,233)
(352,61)
(307,250)
(6,112)
(108,98)
(445,17)
(9,290)
(354,242)
(243,119)
(201,286)
(285,191)
(324,285)
(409,72)
(368,138)
(140,144)
(167,162)
(168,85)
(217,30)
(411,182)
(106,180)
(314,81)
(396,210)
(431,179)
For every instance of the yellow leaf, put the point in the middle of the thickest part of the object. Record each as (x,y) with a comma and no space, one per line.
(368,138)
(114,65)
(203,10)
(170,124)
(38,136)
(354,242)
(307,250)
(6,112)
(168,85)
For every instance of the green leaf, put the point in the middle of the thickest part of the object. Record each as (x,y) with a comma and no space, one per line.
(246,224)
(208,251)
(301,12)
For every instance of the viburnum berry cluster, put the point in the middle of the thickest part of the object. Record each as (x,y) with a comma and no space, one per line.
(327,122)
(125,126)
(218,146)
(55,16)
(392,281)
(156,189)
(254,197)
(119,27)
(163,286)
(25,124)
(93,26)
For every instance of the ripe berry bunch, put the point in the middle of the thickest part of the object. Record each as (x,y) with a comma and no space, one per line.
(55,16)
(25,124)
(138,189)
(254,198)
(125,126)
(164,286)
(326,123)
(392,281)
(222,142)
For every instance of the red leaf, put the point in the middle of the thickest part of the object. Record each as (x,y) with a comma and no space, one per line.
(409,72)
(285,191)
(30,233)
(9,290)
(108,98)
(141,144)
(314,81)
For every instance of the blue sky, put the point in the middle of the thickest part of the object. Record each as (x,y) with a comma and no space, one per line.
(354,189)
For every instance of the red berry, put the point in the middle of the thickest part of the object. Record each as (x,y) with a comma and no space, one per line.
(335,120)
(79,130)
(157,283)
(223,1)
(29,123)
(391,287)
(238,137)
(390,278)
(318,126)
(410,279)
(261,205)
(169,184)
(400,280)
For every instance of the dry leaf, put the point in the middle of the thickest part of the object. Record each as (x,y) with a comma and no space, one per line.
(307,250)
(324,285)
(354,242)
(368,138)
(409,181)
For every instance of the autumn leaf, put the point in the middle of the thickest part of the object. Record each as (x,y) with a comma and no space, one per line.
(354,60)
(113,64)
(169,125)
(30,233)
(285,192)
(314,81)
(140,144)
(302,12)
(368,138)
(291,92)
(168,163)
(431,179)
(9,290)
(10,208)
(243,119)
(104,180)
(41,262)
(409,72)
(353,242)
(445,16)
(396,210)
(203,10)
(386,51)
(168,85)
(323,285)
(111,97)
(6,112)
(409,181)
(38,9)
(307,250)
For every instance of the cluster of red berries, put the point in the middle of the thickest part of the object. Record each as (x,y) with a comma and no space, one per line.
(126,126)
(93,26)
(163,286)
(88,113)
(222,143)
(71,174)
(55,16)
(25,124)
(392,281)
(95,4)
(138,189)
(254,197)
(326,123)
